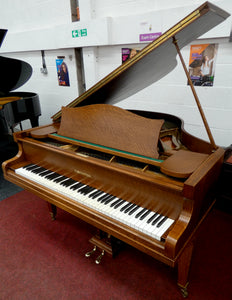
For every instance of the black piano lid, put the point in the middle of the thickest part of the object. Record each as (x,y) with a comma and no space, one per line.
(2,35)
(14,73)
(153,62)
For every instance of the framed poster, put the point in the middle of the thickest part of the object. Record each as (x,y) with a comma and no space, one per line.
(62,72)
(202,64)
(128,53)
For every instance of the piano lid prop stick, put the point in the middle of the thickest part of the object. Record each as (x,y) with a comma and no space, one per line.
(195,95)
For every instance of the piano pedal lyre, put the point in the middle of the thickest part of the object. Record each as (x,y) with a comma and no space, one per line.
(106,244)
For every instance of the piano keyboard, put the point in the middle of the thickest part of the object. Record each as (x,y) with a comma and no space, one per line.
(144,220)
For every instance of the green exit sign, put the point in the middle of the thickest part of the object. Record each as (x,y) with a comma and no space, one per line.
(79,33)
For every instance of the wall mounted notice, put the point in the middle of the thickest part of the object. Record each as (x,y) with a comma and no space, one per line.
(62,72)
(148,37)
(202,64)
(128,53)
(79,33)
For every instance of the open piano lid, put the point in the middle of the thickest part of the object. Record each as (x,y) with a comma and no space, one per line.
(14,72)
(153,62)
(2,35)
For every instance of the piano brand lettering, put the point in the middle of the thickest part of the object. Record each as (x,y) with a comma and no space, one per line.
(79,33)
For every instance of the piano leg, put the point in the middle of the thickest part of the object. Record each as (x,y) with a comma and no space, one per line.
(183,268)
(52,210)
(34,121)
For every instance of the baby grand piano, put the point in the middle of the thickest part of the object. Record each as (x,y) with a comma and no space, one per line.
(135,175)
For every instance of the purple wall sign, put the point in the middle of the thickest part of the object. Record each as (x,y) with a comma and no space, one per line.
(147,37)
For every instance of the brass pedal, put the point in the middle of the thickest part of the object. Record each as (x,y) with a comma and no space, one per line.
(104,243)
(88,254)
(99,258)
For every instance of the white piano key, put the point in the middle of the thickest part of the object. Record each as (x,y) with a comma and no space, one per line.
(132,220)
(148,228)
(142,223)
(83,195)
(163,228)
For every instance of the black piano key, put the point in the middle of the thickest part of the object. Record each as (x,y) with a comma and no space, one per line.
(133,210)
(109,200)
(59,179)
(141,212)
(88,190)
(125,206)
(52,176)
(33,169)
(103,197)
(96,194)
(38,170)
(68,182)
(119,204)
(76,186)
(151,218)
(115,202)
(144,215)
(83,189)
(157,219)
(161,221)
(130,208)
(43,174)
(106,198)
(30,167)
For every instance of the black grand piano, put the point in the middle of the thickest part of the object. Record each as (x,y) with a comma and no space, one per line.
(15,107)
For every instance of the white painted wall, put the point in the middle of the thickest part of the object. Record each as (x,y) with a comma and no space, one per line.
(172,95)
(112,25)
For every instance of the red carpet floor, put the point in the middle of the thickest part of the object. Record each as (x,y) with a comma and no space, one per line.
(44,259)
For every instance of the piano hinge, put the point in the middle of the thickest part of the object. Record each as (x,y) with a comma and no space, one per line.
(145,168)
(112,158)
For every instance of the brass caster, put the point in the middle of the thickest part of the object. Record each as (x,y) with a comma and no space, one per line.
(88,254)
(98,260)
(184,292)
(53,216)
